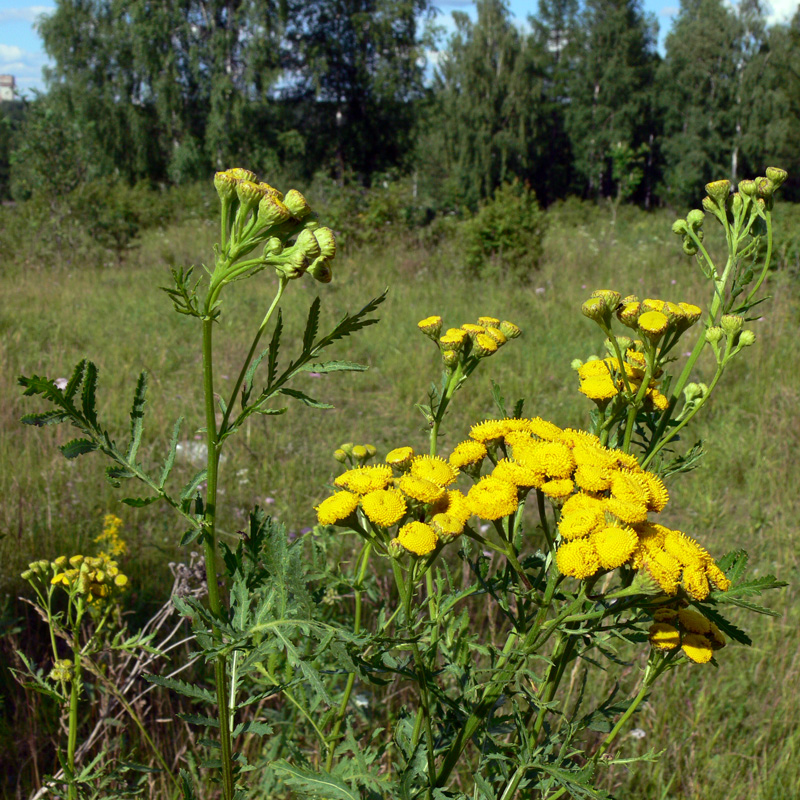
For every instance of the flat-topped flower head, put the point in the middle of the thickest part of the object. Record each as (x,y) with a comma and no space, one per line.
(365,479)
(467,453)
(431,326)
(693,621)
(489,430)
(592,478)
(580,521)
(488,322)
(577,559)
(555,459)
(665,570)
(453,339)
(559,489)
(491,498)
(400,457)
(418,538)
(686,550)
(600,388)
(614,545)
(664,636)
(472,329)
(653,325)
(518,474)
(447,527)
(629,513)
(497,335)
(336,508)
(384,507)
(433,469)
(697,648)
(420,489)
(544,429)
(454,504)
(484,345)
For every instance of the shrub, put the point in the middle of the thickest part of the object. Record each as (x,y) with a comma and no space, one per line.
(506,234)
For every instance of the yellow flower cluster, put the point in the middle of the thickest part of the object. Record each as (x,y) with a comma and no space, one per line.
(605,499)
(94,577)
(470,340)
(113,545)
(686,628)
(602,381)
(388,493)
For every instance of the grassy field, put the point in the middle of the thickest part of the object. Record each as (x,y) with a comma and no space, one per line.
(730,733)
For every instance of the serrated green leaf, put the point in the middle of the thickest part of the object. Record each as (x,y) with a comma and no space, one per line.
(274,347)
(199,719)
(78,447)
(184,688)
(140,502)
(75,380)
(191,535)
(255,727)
(137,416)
(312,324)
(47,418)
(169,461)
(314,784)
(304,398)
(499,400)
(190,489)
(89,393)
(334,366)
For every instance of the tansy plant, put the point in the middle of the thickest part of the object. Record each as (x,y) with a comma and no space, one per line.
(528,552)
(275,237)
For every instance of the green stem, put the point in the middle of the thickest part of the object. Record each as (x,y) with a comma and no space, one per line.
(751,294)
(635,406)
(72,735)
(449,389)
(235,393)
(210,556)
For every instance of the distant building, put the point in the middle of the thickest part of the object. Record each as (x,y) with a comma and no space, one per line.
(8,88)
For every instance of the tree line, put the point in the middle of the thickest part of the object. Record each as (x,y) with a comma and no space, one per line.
(576,102)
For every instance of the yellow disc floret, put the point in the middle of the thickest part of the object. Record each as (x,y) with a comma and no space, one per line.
(420,489)
(418,538)
(384,507)
(697,648)
(467,453)
(400,456)
(434,469)
(664,636)
(491,498)
(614,545)
(336,508)
(578,559)
(365,479)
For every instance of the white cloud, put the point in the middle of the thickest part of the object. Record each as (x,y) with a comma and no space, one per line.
(782,10)
(10,52)
(29,14)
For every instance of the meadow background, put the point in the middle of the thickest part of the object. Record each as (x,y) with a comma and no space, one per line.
(559,172)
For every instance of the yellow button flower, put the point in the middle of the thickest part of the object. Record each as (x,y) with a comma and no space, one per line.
(418,538)
(664,636)
(467,453)
(365,479)
(491,498)
(578,559)
(420,489)
(697,648)
(433,469)
(384,507)
(614,545)
(336,508)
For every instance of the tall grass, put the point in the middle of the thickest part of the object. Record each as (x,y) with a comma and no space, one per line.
(730,733)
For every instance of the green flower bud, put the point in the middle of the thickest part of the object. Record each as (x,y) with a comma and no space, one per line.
(623,342)
(291,263)
(719,191)
(710,206)
(320,270)
(731,324)
(431,326)
(695,218)
(326,241)
(736,204)
(239,174)
(777,176)
(689,246)
(746,338)
(60,562)
(509,329)
(340,455)
(28,575)
(360,452)
(450,358)
(307,243)
(595,308)
(267,189)
(609,297)
(249,195)
(680,227)
(395,549)
(273,247)
(76,560)
(747,188)
(225,184)
(575,364)
(714,334)
(297,204)
(694,391)
(371,450)
(271,211)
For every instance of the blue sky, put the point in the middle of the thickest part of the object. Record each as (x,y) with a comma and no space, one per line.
(21,51)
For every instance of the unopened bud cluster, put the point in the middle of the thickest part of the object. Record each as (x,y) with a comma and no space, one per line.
(353,454)
(255,213)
